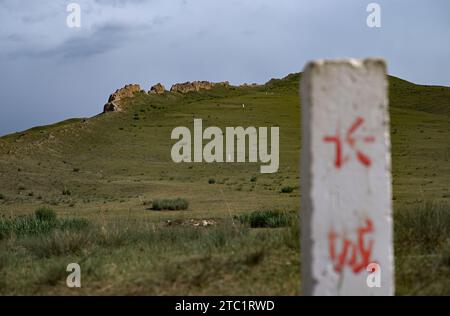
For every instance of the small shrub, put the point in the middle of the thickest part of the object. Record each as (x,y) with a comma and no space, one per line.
(255,257)
(66,192)
(170,204)
(253,179)
(45,214)
(266,218)
(212,181)
(76,169)
(2,197)
(73,224)
(287,189)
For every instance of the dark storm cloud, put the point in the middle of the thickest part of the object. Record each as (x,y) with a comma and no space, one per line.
(15,38)
(102,39)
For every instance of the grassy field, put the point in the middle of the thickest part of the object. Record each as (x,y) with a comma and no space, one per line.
(104,175)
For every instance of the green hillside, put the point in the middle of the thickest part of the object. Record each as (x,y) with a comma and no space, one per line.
(104,173)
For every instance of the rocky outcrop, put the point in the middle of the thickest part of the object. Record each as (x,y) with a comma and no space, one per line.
(113,104)
(196,86)
(111,107)
(157,89)
(126,92)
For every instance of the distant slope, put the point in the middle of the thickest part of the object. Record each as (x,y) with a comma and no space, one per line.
(126,156)
(431,99)
(402,94)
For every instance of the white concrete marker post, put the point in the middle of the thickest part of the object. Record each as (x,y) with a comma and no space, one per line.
(346,207)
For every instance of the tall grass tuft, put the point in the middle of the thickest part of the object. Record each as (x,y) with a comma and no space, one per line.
(45,214)
(426,225)
(43,221)
(267,218)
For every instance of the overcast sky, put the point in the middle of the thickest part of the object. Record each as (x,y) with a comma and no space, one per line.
(50,72)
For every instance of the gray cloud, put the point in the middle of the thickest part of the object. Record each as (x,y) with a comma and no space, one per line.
(119,3)
(15,38)
(104,38)
(101,40)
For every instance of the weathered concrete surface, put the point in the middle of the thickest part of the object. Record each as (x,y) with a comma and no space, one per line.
(346,178)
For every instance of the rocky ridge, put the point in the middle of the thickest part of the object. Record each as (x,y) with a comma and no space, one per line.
(196,86)
(113,104)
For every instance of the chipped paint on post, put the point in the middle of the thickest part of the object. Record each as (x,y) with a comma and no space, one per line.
(346,178)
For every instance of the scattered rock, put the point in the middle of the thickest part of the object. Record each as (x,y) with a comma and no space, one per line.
(205,222)
(157,89)
(173,222)
(126,92)
(192,222)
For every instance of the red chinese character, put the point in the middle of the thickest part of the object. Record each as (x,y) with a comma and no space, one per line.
(350,140)
(351,251)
